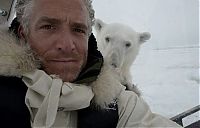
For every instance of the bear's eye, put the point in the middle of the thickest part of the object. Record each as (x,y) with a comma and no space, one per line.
(107,39)
(128,44)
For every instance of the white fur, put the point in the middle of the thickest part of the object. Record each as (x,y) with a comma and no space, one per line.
(107,87)
(16,57)
(119,45)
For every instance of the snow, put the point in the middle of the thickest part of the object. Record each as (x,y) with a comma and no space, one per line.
(167,67)
(168,78)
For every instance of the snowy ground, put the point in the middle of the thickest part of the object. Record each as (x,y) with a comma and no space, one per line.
(169,78)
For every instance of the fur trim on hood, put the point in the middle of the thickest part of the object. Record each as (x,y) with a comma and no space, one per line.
(16,58)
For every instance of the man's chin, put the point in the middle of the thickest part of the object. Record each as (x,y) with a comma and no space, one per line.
(69,78)
(67,72)
(67,75)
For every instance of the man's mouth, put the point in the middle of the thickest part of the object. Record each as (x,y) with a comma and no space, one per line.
(63,60)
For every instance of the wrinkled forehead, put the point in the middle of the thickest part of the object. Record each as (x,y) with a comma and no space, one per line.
(60,9)
(64,5)
(21,4)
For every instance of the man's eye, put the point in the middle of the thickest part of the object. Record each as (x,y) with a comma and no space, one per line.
(79,30)
(47,27)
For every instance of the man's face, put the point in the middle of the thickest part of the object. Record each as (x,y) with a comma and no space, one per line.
(58,33)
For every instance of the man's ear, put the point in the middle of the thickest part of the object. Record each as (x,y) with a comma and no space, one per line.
(99,24)
(21,32)
(143,37)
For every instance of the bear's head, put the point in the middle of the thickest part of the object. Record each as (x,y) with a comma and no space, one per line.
(118,43)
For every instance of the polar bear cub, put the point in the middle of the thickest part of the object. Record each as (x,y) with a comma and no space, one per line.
(119,45)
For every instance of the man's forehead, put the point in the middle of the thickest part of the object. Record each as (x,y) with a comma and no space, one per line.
(61,11)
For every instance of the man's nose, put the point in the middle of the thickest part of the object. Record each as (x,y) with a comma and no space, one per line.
(65,41)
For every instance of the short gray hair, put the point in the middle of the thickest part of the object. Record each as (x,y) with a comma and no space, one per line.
(24,10)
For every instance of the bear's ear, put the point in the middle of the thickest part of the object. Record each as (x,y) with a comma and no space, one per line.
(144,37)
(99,24)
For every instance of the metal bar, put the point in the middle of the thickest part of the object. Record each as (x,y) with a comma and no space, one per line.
(12,4)
(194,125)
(180,116)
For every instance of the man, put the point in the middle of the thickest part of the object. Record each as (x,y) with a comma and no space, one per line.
(53,75)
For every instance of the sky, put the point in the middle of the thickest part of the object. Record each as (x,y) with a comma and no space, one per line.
(170,22)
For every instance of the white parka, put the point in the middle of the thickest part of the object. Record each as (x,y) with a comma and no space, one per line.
(48,93)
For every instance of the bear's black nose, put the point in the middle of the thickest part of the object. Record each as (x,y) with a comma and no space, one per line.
(114,65)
